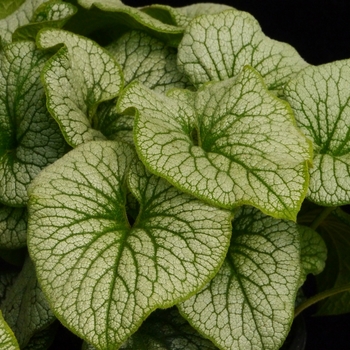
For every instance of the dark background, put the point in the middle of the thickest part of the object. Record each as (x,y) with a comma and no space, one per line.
(320,31)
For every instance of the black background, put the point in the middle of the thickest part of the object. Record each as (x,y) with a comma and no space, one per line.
(320,31)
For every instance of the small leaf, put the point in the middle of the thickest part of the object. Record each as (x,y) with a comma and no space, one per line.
(320,99)
(249,304)
(24,11)
(23,150)
(54,13)
(232,143)
(313,252)
(217,47)
(13,227)
(25,308)
(167,330)
(7,338)
(101,276)
(77,79)
(149,61)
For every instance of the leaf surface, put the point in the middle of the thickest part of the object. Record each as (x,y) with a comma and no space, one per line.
(54,13)
(249,304)
(232,143)
(149,61)
(7,338)
(77,79)
(335,231)
(217,46)
(167,330)
(9,6)
(102,276)
(21,16)
(182,16)
(25,308)
(313,252)
(23,150)
(320,99)
(118,17)
(13,227)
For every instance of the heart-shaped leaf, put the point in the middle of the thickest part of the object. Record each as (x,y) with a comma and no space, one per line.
(24,151)
(149,61)
(102,276)
(217,46)
(232,143)
(249,304)
(77,79)
(320,98)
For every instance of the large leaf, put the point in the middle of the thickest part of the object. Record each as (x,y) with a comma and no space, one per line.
(320,98)
(77,79)
(53,13)
(22,15)
(149,61)
(13,227)
(217,47)
(102,276)
(167,330)
(25,308)
(7,338)
(249,304)
(24,151)
(232,143)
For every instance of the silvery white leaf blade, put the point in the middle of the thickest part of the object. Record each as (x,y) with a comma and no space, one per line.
(77,79)
(319,97)
(231,143)
(21,16)
(249,304)
(101,276)
(23,150)
(217,46)
(149,61)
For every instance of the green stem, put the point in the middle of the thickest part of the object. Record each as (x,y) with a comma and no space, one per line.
(318,220)
(320,296)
